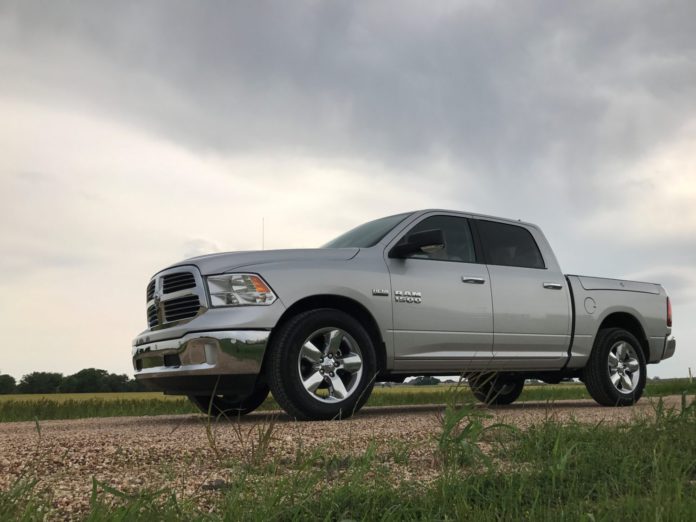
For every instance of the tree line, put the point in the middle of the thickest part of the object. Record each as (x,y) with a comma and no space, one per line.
(89,380)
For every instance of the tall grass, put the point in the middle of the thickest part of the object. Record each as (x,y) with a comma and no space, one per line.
(46,409)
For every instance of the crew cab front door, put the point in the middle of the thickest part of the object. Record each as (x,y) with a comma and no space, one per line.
(442,305)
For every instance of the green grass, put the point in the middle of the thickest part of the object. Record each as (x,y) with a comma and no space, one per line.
(60,397)
(85,405)
(639,471)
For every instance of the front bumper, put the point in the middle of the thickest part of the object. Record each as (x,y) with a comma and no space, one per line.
(228,361)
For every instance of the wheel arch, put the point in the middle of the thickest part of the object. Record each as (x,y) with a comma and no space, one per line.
(344,304)
(630,323)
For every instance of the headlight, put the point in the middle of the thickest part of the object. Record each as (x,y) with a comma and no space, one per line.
(239,289)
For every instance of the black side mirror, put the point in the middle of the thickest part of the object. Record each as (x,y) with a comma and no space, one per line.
(427,241)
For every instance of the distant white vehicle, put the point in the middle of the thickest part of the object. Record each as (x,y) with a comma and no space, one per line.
(433,292)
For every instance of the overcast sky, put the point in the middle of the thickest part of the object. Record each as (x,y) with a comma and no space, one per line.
(135,134)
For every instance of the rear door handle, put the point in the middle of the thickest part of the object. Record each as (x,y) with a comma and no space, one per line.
(553,286)
(473,280)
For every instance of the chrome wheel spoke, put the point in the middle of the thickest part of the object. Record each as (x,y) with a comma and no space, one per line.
(615,378)
(626,382)
(351,363)
(621,351)
(313,381)
(613,360)
(338,389)
(334,340)
(633,365)
(310,352)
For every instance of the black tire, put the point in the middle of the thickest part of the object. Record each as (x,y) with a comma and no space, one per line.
(231,407)
(289,368)
(494,389)
(598,374)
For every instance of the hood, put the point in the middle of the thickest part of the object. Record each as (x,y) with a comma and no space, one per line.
(224,262)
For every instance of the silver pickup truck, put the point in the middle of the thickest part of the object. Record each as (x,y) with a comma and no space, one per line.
(432,292)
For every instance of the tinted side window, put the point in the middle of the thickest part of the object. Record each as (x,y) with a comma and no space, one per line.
(509,245)
(459,245)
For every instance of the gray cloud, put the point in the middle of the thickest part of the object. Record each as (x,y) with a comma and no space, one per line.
(501,90)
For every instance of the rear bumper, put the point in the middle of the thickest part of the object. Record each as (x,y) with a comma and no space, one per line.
(226,360)
(670,347)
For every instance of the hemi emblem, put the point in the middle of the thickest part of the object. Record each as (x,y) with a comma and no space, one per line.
(379,291)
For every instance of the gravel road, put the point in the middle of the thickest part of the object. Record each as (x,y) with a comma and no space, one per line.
(132,453)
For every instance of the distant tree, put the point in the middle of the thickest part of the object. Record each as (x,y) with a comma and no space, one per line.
(133,385)
(93,380)
(117,382)
(7,384)
(40,382)
(87,380)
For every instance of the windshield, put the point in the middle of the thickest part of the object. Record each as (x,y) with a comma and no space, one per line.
(367,234)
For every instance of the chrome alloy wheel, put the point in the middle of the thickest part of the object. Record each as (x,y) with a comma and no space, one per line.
(330,365)
(624,367)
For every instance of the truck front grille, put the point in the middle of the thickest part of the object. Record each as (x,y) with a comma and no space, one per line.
(177,281)
(150,290)
(174,296)
(152,316)
(181,308)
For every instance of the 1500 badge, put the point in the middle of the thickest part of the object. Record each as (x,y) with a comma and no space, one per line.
(407,296)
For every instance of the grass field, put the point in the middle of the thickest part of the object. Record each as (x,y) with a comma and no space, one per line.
(85,405)
(643,470)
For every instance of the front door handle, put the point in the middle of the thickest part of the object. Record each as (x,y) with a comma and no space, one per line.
(553,286)
(473,280)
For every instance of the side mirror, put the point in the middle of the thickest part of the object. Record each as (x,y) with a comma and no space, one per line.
(428,241)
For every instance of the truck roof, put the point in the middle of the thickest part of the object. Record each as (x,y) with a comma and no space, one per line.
(482,216)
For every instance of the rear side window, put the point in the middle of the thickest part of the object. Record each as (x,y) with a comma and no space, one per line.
(459,245)
(509,245)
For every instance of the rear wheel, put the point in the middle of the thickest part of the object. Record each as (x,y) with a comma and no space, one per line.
(495,389)
(615,373)
(229,406)
(321,365)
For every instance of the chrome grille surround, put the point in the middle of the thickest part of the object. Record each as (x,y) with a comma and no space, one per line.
(175,296)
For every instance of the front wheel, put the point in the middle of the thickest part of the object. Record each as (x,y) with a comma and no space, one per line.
(321,365)
(615,373)
(494,389)
(216,405)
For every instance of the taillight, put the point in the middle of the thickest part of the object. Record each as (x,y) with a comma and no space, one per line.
(669,312)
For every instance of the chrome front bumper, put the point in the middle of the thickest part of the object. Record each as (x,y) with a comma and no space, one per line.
(201,361)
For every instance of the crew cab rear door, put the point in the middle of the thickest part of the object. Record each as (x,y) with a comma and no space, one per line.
(443,316)
(531,300)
